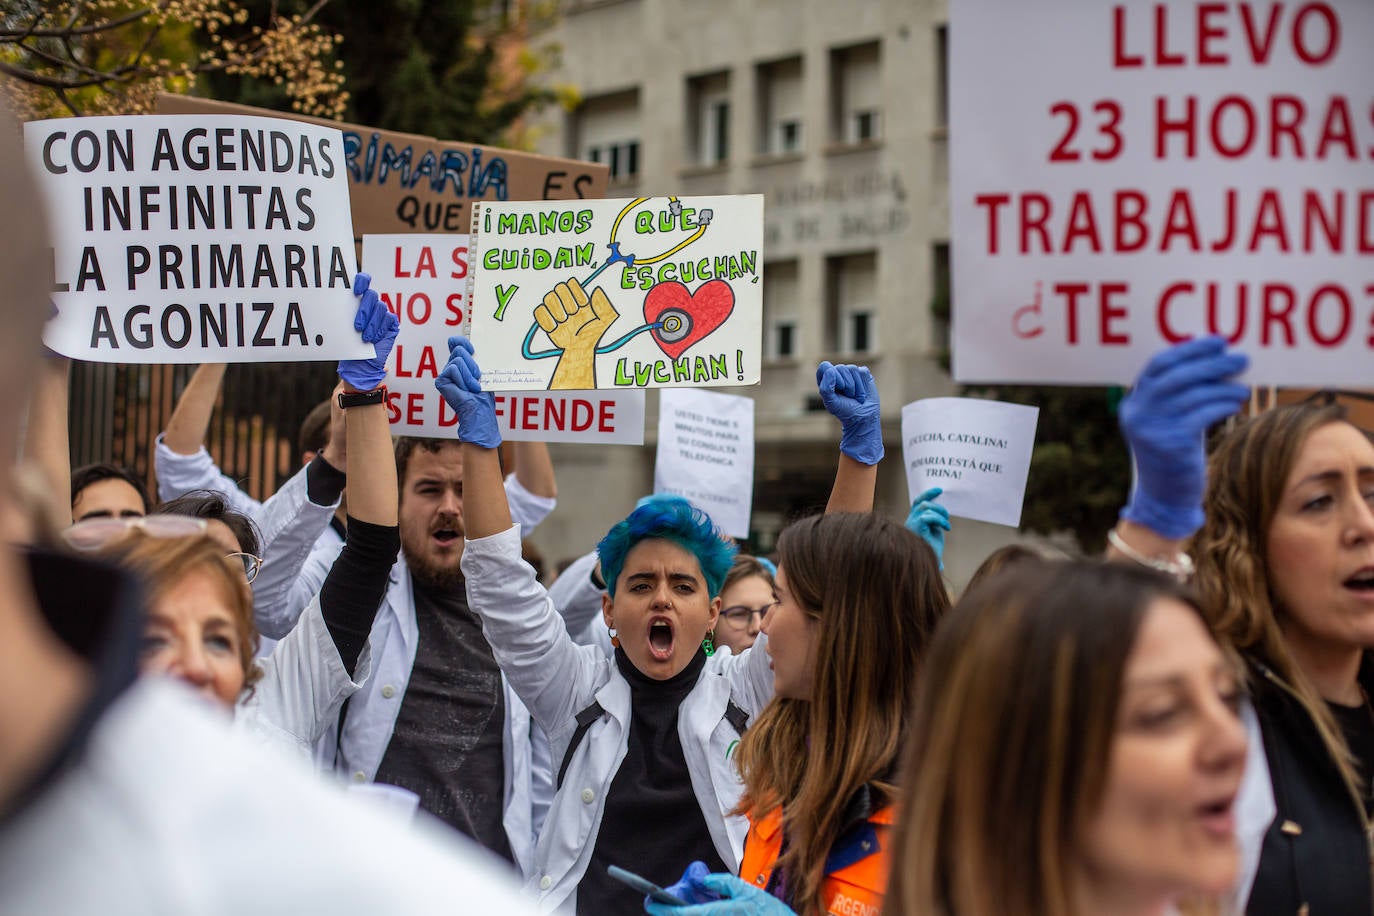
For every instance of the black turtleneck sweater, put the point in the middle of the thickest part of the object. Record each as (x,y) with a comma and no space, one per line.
(652,824)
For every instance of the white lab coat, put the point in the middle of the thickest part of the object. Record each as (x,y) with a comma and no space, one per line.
(558,679)
(168,813)
(372,712)
(304,683)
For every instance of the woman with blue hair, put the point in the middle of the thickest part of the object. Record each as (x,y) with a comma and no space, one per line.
(643,740)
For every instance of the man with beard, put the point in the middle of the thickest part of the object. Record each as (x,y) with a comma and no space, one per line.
(437,717)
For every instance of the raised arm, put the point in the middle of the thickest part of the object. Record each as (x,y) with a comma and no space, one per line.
(46,444)
(1181,392)
(851,396)
(190,420)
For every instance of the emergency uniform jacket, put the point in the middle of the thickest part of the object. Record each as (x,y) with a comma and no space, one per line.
(1317,855)
(559,679)
(855,870)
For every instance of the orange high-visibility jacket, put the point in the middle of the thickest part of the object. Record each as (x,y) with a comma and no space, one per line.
(855,870)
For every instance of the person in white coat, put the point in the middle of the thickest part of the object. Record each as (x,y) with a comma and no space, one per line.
(643,739)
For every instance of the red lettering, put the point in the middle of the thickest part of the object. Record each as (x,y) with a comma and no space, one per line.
(1260,46)
(1111,313)
(1131,218)
(418,315)
(992,202)
(1285,126)
(1242,309)
(1164,126)
(1331,224)
(607,414)
(415,408)
(1337,129)
(1162,313)
(1081,224)
(555,413)
(1180,222)
(400,271)
(1035,223)
(400,367)
(1120,58)
(1366,218)
(1206,31)
(426,265)
(1269,221)
(447,418)
(529,414)
(1282,317)
(1162,56)
(427,362)
(1346,313)
(393,412)
(1071,292)
(455,310)
(1333,34)
(581,415)
(459,256)
(1241,104)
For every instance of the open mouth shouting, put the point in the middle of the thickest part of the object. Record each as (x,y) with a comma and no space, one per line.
(660,636)
(1362,582)
(446,533)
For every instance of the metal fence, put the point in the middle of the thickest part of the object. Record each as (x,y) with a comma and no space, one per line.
(117,411)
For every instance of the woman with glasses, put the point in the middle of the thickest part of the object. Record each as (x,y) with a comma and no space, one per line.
(745,599)
(200,625)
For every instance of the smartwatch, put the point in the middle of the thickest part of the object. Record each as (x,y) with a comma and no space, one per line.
(349,399)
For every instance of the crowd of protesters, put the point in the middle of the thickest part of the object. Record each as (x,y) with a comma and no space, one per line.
(357,696)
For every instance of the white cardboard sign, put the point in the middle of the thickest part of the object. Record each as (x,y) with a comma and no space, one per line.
(423,281)
(664,292)
(706,454)
(181,239)
(1128,175)
(978,451)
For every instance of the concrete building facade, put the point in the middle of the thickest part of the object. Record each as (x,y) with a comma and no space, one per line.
(836,113)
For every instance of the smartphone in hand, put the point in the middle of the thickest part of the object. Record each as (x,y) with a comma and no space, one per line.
(645,886)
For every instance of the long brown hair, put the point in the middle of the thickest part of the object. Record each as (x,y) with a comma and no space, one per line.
(1011,735)
(1246,477)
(874,588)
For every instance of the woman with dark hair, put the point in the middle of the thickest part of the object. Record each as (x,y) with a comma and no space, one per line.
(1075,749)
(643,741)
(225,524)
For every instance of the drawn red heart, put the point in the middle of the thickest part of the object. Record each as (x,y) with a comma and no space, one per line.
(704,311)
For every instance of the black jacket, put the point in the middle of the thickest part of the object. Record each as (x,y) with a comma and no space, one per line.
(1317,852)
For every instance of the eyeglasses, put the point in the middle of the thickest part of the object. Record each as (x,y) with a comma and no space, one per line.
(740,616)
(95,533)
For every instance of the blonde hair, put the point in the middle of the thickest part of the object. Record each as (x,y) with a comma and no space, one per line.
(1246,477)
(1011,736)
(874,590)
(163,562)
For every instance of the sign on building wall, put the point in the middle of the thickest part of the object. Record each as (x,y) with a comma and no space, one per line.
(411,183)
(1141,173)
(644,293)
(423,280)
(185,240)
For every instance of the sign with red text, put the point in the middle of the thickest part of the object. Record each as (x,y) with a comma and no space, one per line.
(423,281)
(1128,175)
(978,452)
(706,454)
(195,239)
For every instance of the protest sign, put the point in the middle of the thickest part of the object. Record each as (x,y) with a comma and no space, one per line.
(184,240)
(662,293)
(1128,175)
(706,454)
(412,183)
(423,281)
(977,451)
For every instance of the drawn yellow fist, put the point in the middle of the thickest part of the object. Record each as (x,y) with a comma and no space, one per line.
(575,324)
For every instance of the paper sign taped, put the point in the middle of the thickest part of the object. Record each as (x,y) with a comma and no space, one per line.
(977,451)
(706,454)
(187,240)
(644,293)
(423,281)
(1127,175)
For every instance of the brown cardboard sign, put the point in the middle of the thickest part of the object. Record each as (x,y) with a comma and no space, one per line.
(411,183)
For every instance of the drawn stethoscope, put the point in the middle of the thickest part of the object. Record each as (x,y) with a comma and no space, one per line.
(673,324)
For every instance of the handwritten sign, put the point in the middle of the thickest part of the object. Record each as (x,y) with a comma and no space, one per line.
(182,240)
(1141,173)
(644,293)
(413,183)
(706,454)
(978,451)
(423,281)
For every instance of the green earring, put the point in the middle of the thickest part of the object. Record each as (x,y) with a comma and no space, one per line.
(709,643)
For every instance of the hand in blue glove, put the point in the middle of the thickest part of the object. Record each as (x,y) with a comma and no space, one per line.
(689,887)
(460,384)
(1181,392)
(929,521)
(738,898)
(851,396)
(379,327)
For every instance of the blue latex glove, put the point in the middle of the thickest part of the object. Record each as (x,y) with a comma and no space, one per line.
(379,327)
(1181,392)
(929,521)
(689,887)
(460,384)
(738,898)
(851,396)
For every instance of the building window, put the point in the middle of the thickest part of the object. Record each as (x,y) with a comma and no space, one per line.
(606,130)
(940,303)
(780,316)
(856,93)
(851,303)
(708,118)
(941,75)
(779,105)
